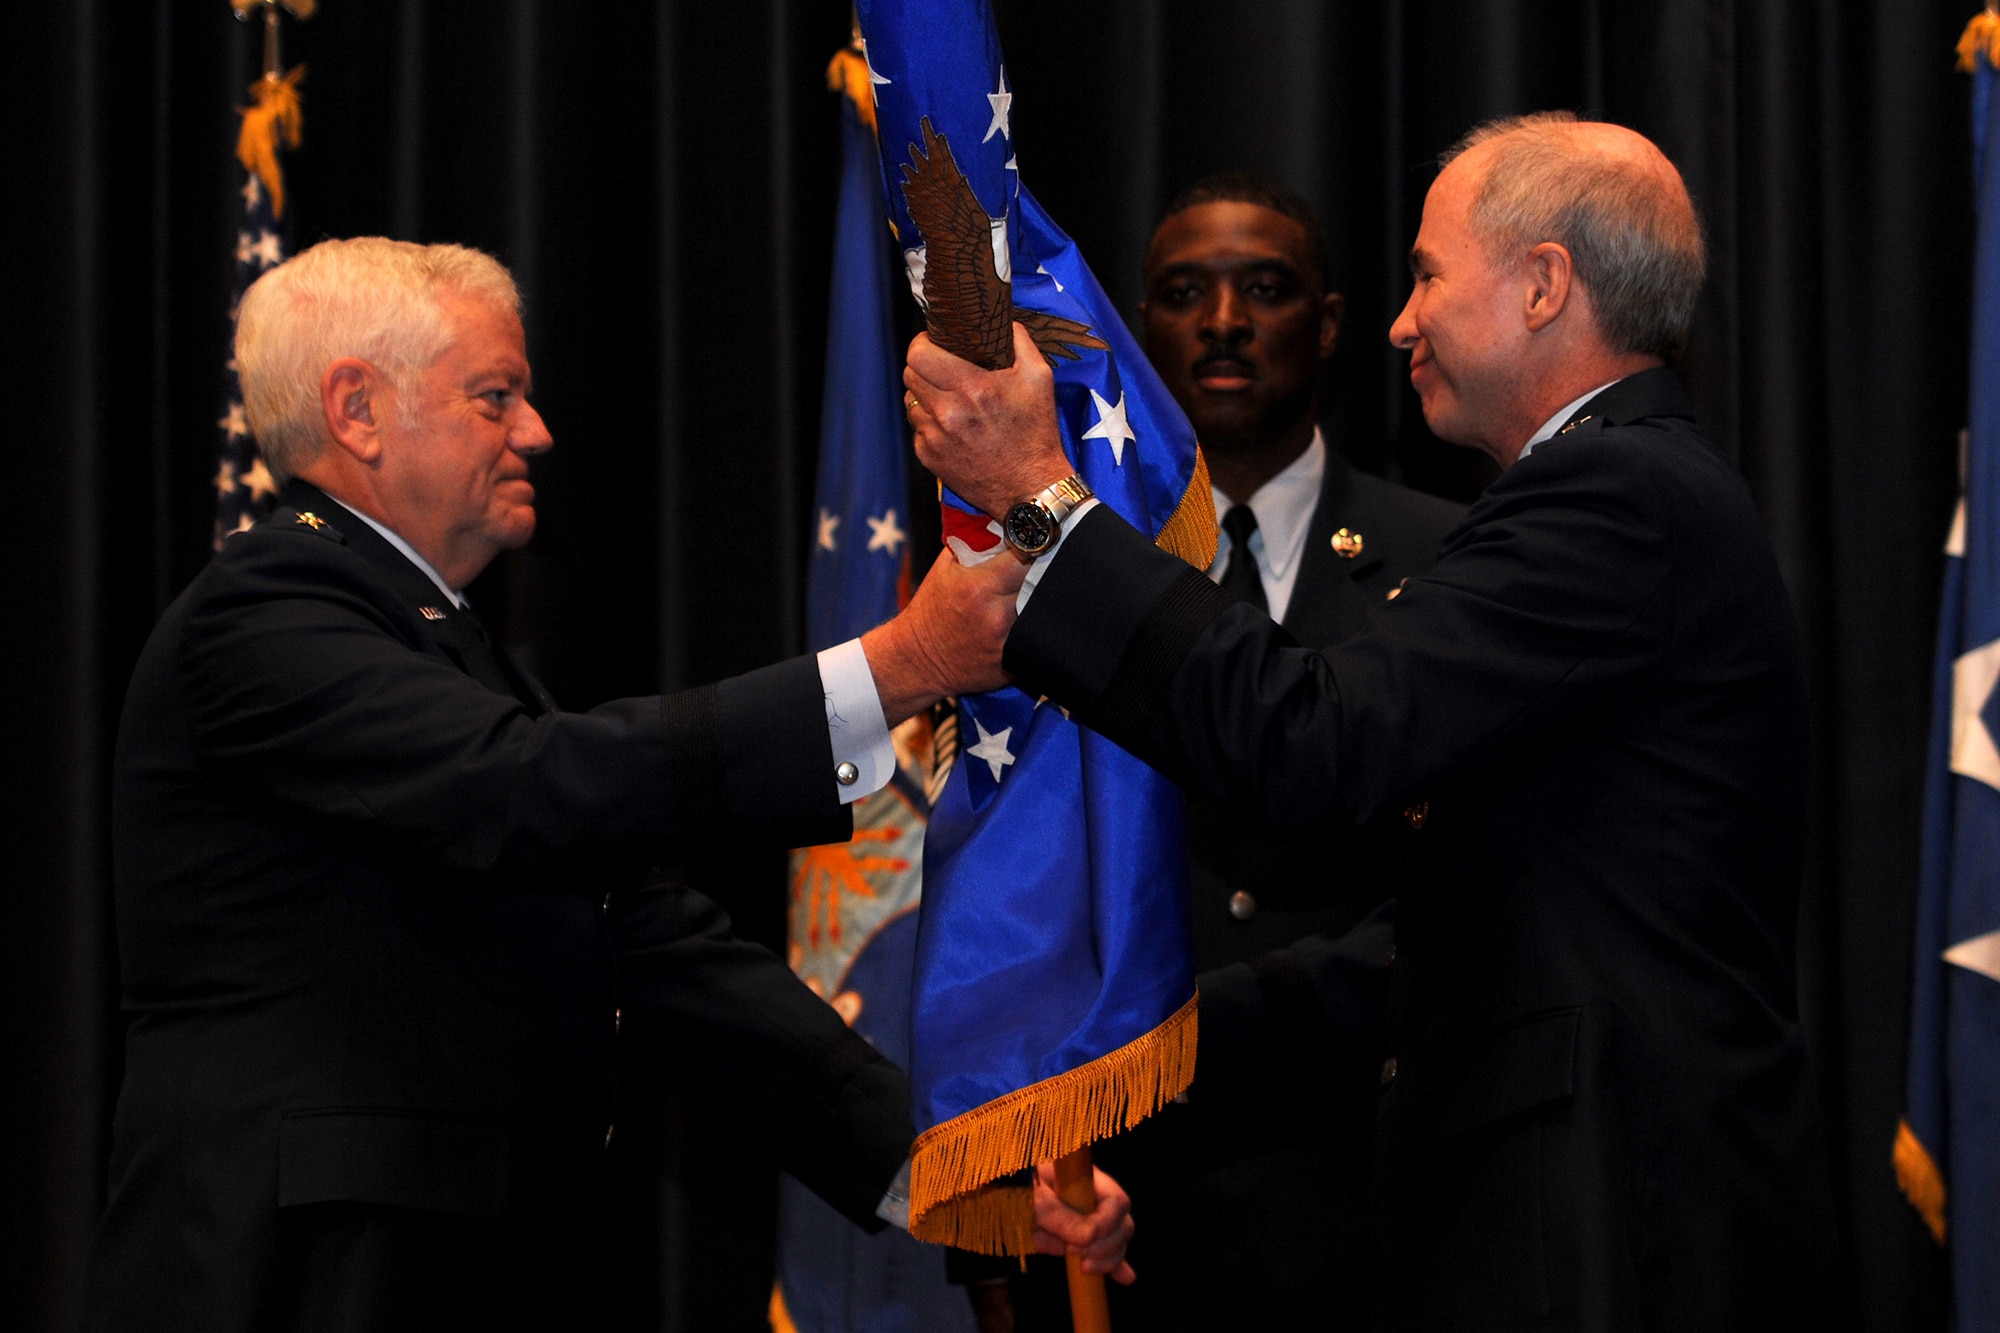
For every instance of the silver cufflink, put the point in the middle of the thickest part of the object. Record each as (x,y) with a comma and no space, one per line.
(846,774)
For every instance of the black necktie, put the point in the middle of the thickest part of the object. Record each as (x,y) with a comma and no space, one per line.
(1241,579)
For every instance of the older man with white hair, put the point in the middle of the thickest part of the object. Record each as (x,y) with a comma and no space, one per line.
(379,901)
(1592,715)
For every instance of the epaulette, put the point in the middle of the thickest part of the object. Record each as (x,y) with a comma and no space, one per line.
(306,520)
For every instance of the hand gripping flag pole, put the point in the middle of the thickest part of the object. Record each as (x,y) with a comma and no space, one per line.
(1054,991)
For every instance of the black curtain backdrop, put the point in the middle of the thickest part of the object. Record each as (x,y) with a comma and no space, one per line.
(659,178)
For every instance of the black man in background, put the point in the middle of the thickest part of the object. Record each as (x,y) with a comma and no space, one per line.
(1253,1196)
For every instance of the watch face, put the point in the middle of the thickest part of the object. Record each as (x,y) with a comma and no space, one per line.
(1030,528)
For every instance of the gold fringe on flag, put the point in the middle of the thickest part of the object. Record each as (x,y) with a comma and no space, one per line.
(1921,1182)
(1190,532)
(1982,34)
(957,1192)
(276,111)
(848,73)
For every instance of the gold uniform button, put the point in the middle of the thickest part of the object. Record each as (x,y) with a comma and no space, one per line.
(1242,905)
(1388,1071)
(1418,815)
(846,774)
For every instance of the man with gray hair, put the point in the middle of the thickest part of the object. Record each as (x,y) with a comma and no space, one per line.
(1596,1113)
(379,901)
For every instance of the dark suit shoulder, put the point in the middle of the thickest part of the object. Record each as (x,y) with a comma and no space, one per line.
(286,557)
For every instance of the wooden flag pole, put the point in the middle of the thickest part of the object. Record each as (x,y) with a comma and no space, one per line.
(1076,1186)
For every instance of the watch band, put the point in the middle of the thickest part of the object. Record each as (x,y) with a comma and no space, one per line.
(1062,498)
(1032,526)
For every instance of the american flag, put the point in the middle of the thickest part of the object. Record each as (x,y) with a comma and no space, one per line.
(244,488)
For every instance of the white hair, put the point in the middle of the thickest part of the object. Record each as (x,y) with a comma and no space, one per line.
(1633,234)
(367,297)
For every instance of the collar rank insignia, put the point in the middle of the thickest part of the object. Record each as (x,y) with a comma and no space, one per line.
(1572,425)
(430,612)
(1347,544)
(311,520)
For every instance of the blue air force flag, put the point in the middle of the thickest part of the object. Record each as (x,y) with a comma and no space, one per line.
(1947,1155)
(1054,998)
(853,936)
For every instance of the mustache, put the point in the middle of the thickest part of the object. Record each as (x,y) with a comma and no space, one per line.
(1234,360)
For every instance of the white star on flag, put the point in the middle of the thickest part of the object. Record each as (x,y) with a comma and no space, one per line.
(1111,426)
(991,748)
(884,535)
(827,523)
(267,250)
(1979,954)
(234,422)
(873,77)
(225,478)
(246,249)
(252,191)
(1002,103)
(1972,750)
(259,480)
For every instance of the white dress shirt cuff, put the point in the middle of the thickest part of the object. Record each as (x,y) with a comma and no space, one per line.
(862,753)
(895,1206)
(1041,565)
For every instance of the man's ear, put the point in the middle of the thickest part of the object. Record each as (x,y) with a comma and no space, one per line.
(352,396)
(1332,306)
(1551,280)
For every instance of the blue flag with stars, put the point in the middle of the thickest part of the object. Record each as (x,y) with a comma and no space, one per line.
(1947,1155)
(853,927)
(1054,991)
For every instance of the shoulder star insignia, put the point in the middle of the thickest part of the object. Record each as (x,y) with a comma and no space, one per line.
(1347,545)
(311,520)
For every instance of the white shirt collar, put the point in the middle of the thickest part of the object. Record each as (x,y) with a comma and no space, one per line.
(1284,506)
(410,553)
(1562,415)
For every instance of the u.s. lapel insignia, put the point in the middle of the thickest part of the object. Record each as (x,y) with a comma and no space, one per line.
(1347,544)
(430,612)
(1573,425)
(311,520)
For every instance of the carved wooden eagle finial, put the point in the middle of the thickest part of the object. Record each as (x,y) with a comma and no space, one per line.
(968,306)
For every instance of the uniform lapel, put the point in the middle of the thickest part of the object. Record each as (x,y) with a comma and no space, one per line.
(1326,604)
(456,633)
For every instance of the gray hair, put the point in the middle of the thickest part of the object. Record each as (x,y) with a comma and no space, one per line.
(1633,234)
(367,297)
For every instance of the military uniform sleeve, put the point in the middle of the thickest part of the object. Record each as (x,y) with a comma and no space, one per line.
(738,1027)
(305,681)
(1553,594)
